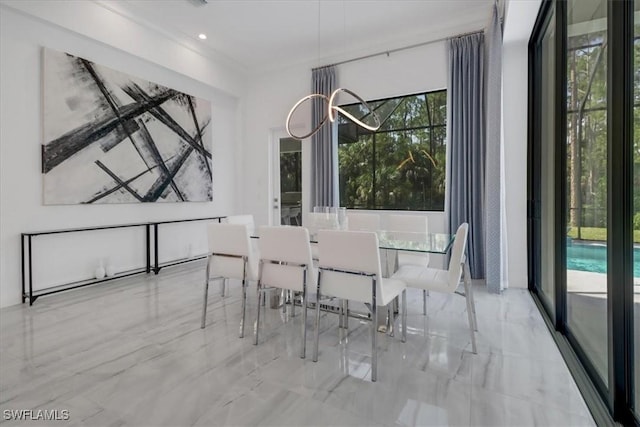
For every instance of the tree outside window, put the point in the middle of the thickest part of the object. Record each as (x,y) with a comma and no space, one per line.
(401,166)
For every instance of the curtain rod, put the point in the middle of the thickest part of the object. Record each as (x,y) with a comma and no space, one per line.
(398,49)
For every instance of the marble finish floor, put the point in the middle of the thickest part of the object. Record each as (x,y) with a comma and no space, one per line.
(131,353)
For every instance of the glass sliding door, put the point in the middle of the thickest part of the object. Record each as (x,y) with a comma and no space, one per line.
(542,191)
(584,194)
(547,148)
(586,180)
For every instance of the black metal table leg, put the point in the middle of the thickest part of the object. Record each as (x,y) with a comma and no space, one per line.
(31,299)
(22,263)
(148,230)
(156,269)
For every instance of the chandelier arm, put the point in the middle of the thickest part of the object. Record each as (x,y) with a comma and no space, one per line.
(295,107)
(358,122)
(334,108)
(332,115)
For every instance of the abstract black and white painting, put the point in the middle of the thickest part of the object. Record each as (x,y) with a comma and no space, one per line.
(113,138)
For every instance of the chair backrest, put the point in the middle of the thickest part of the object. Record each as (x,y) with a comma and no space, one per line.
(409,223)
(242,219)
(355,251)
(287,245)
(457,256)
(363,221)
(231,240)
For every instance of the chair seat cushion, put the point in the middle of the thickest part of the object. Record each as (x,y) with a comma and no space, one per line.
(423,278)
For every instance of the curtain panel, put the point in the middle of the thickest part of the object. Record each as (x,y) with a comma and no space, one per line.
(466,180)
(324,155)
(495,219)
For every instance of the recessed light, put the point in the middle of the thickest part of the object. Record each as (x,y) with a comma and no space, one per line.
(202,36)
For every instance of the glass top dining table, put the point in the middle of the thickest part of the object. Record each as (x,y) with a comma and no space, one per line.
(434,243)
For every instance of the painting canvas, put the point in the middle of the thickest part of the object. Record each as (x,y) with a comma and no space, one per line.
(113,138)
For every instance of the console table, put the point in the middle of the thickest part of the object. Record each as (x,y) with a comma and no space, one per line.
(26,241)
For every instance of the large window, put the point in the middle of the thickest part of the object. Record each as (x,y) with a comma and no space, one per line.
(401,166)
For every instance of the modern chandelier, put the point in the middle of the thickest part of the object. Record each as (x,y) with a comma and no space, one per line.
(332,113)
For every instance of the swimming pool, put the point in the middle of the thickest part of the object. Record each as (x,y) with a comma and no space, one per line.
(593,257)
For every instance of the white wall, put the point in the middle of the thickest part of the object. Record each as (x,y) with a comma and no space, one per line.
(132,49)
(520,17)
(514,86)
(270,96)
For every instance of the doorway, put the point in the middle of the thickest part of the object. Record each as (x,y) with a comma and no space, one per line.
(287,181)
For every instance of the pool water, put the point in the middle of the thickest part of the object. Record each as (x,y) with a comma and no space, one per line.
(593,257)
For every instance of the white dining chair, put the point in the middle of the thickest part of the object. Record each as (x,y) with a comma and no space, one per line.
(413,224)
(349,269)
(316,221)
(446,281)
(286,263)
(363,221)
(230,257)
(250,223)
(242,219)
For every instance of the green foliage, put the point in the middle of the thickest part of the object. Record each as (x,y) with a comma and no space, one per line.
(586,110)
(402,165)
(636,221)
(598,234)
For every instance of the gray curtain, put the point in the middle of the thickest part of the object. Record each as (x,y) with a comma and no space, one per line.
(467,145)
(494,156)
(324,165)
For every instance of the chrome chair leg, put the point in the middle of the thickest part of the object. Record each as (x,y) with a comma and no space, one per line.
(223,287)
(283,300)
(303,300)
(424,302)
(204,305)
(206,292)
(374,343)
(317,330)
(244,308)
(404,316)
(470,316)
(473,309)
(390,331)
(344,313)
(345,320)
(467,282)
(292,300)
(256,327)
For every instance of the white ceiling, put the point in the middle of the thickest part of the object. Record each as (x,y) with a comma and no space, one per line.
(263,34)
(520,18)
